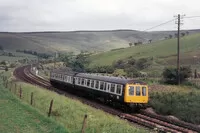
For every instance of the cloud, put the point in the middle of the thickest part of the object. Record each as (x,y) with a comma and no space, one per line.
(63,15)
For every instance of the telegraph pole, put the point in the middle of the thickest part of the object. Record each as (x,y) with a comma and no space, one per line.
(178,47)
(178,51)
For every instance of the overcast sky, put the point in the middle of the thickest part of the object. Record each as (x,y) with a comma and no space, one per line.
(68,15)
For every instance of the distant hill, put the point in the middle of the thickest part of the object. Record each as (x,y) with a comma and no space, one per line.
(163,52)
(76,41)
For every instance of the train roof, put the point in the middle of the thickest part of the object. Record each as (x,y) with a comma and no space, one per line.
(120,80)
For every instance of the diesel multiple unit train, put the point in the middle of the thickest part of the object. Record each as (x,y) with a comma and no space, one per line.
(126,92)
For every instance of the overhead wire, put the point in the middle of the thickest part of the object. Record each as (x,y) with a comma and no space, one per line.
(160,24)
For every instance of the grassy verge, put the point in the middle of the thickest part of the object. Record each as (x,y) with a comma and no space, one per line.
(181,102)
(70,113)
(18,117)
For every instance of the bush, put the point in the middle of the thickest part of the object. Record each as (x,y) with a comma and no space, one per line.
(101,69)
(143,63)
(132,72)
(170,74)
(120,64)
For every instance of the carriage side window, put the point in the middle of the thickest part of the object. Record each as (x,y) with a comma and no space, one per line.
(137,90)
(112,89)
(119,89)
(108,87)
(82,81)
(92,83)
(88,83)
(79,81)
(131,90)
(101,85)
(85,82)
(105,86)
(97,85)
(76,80)
(71,79)
(144,91)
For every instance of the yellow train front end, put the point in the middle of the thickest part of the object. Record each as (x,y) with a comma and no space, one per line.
(136,94)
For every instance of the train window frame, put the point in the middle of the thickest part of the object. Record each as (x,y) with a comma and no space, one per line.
(71,80)
(144,93)
(105,86)
(82,81)
(133,91)
(112,88)
(136,92)
(79,81)
(119,89)
(108,87)
(101,85)
(92,83)
(85,82)
(97,84)
(88,81)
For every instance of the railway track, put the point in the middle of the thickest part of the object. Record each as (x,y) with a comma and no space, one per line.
(143,118)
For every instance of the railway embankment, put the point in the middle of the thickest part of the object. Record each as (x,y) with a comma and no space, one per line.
(16,116)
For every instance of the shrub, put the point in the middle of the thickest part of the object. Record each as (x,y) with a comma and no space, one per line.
(170,74)
(132,72)
(143,63)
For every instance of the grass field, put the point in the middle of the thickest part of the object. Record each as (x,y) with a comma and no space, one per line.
(161,50)
(17,117)
(70,113)
(179,101)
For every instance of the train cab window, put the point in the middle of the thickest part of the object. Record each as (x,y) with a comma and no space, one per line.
(143,91)
(137,90)
(101,85)
(131,90)
(112,89)
(92,83)
(119,89)
(97,85)
(88,83)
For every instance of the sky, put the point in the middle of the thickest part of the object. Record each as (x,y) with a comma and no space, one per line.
(70,15)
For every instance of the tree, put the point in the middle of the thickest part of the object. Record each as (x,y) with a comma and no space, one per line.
(135,43)
(130,44)
(150,40)
(170,74)
(170,36)
(182,34)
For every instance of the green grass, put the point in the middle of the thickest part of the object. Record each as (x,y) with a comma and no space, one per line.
(181,102)
(70,113)
(158,49)
(17,117)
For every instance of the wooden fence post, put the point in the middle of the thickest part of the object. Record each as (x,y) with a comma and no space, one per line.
(84,124)
(20,92)
(7,84)
(31,98)
(10,86)
(50,108)
(15,89)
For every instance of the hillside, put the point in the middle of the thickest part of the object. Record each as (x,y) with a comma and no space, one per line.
(96,41)
(163,52)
